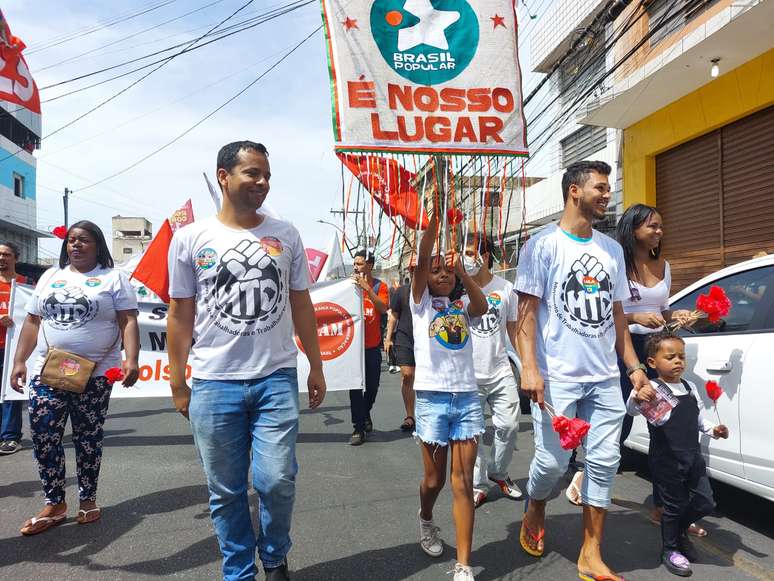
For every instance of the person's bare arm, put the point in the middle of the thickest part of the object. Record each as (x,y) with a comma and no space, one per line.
(130,333)
(392,320)
(625,349)
(28,340)
(305,324)
(180,325)
(419,281)
(526,334)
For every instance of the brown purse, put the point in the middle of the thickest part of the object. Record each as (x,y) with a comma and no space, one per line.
(66,371)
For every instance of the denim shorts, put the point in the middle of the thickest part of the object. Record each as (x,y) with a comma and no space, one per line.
(442,416)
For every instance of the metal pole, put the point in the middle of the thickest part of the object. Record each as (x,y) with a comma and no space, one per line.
(66,200)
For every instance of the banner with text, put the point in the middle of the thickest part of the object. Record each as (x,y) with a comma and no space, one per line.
(425,76)
(338,309)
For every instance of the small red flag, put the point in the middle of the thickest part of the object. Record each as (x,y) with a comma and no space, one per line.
(152,269)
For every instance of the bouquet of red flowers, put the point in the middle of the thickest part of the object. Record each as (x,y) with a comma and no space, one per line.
(571,431)
(114,374)
(713,306)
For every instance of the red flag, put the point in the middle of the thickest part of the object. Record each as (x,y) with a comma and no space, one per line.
(152,268)
(390,186)
(16,83)
(182,217)
(316,260)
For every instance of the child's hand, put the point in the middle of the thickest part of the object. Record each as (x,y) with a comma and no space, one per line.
(454,260)
(720,431)
(646,393)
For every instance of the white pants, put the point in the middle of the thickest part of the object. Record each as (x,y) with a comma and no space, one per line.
(503,399)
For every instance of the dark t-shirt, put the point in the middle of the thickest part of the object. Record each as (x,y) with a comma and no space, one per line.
(399,305)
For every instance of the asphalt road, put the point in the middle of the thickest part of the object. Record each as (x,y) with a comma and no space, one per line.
(355,515)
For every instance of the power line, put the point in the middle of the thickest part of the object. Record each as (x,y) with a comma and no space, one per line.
(203,119)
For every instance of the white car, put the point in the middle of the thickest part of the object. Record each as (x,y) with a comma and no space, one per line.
(738,353)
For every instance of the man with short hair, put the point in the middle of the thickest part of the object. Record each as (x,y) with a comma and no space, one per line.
(375,304)
(496,383)
(571,281)
(11,425)
(239,286)
(399,341)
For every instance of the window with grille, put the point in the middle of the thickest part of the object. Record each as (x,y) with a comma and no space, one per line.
(582,70)
(581,144)
(668,16)
(18,185)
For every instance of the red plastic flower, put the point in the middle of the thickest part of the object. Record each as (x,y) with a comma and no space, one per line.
(114,374)
(716,304)
(60,232)
(454,216)
(571,431)
(714,391)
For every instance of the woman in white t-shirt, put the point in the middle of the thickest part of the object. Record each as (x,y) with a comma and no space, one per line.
(448,413)
(87,308)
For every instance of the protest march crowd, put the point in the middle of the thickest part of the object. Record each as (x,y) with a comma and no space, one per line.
(588,316)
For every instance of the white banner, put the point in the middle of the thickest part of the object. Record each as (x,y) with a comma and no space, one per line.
(425,76)
(338,307)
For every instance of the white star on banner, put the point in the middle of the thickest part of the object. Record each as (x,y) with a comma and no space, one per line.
(431,27)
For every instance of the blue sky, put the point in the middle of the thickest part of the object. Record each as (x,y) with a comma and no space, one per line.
(289,110)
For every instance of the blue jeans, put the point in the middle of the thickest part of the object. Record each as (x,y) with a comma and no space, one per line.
(233,421)
(442,416)
(602,406)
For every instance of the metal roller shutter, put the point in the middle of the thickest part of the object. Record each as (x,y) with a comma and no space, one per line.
(716,195)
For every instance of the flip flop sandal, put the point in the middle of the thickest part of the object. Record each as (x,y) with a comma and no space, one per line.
(592,577)
(83,516)
(31,527)
(573,492)
(408,424)
(696,530)
(525,536)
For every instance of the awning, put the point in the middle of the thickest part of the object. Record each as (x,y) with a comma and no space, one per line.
(24,229)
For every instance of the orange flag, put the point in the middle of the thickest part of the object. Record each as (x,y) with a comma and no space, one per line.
(152,269)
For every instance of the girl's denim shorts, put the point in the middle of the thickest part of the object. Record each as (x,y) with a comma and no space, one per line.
(442,416)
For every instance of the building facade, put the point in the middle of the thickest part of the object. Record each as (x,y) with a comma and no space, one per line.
(694,100)
(131,236)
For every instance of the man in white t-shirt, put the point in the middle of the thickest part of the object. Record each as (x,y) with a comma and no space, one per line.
(239,285)
(496,383)
(571,281)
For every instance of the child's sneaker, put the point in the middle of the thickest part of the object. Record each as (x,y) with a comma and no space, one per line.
(676,563)
(429,537)
(479,497)
(463,573)
(508,487)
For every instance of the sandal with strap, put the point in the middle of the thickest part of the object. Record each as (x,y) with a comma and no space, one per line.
(592,577)
(573,493)
(83,517)
(408,424)
(40,524)
(527,538)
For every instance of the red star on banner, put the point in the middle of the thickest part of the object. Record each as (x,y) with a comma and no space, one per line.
(498,21)
(350,23)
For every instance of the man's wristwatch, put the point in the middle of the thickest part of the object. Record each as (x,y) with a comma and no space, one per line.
(638,367)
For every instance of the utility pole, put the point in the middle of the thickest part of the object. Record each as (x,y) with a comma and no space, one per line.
(66,200)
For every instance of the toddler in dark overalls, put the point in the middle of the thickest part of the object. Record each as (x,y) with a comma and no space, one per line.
(671,406)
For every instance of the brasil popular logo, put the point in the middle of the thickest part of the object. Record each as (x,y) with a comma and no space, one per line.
(425,41)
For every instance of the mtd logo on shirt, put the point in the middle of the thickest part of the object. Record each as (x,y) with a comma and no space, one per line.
(489,323)
(585,298)
(425,41)
(68,308)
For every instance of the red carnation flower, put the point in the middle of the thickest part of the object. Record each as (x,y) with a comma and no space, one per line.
(714,391)
(114,374)
(571,431)
(715,304)
(454,216)
(60,232)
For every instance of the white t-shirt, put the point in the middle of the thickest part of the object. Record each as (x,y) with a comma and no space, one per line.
(442,345)
(643,299)
(78,314)
(490,333)
(241,280)
(677,389)
(577,281)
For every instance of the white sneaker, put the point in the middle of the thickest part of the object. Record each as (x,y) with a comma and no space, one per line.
(463,573)
(429,537)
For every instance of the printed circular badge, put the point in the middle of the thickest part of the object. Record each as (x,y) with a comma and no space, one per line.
(335,330)
(271,246)
(206,258)
(425,41)
(59,284)
(93,281)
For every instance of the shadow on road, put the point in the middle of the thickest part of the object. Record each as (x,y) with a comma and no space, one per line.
(75,545)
